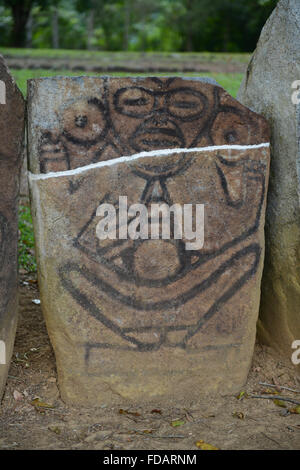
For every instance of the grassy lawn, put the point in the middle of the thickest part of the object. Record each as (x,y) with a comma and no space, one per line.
(121,56)
(67,62)
(229,81)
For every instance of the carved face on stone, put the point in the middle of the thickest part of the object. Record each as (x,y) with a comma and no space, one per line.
(170,113)
(160,116)
(128,116)
(158,287)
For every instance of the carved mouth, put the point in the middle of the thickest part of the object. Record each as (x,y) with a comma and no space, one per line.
(152,137)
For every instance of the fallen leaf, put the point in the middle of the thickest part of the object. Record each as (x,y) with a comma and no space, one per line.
(279,403)
(55,429)
(296,410)
(156,411)
(242,395)
(126,412)
(177,422)
(17,395)
(270,391)
(204,446)
(238,414)
(40,404)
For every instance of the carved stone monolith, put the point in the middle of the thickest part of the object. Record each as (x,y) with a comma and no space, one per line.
(270,88)
(12,112)
(137,307)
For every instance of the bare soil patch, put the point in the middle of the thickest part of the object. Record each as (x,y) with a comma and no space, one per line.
(34,417)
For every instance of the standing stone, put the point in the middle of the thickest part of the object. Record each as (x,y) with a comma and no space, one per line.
(146,318)
(267,88)
(12,111)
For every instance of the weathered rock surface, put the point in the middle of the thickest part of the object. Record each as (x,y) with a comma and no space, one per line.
(11,142)
(267,88)
(147,318)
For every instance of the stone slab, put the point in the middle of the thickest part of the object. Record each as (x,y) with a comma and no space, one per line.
(268,88)
(143,319)
(11,144)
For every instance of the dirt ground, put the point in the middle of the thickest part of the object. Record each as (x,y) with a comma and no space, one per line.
(34,417)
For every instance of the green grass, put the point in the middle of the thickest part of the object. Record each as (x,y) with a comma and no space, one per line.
(112,56)
(229,81)
(27,259)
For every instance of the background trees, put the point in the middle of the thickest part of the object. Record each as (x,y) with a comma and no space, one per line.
(134,25)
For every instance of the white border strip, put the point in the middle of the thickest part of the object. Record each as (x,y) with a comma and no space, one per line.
(130,158)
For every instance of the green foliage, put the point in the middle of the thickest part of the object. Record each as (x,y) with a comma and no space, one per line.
(5,24)
(135,25)
(223,25)
(26,240)
(20,11)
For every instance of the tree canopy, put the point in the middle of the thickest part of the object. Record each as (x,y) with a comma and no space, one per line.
(134,25)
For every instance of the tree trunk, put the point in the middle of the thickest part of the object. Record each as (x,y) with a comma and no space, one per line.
(226,35)
(90,29)
(126,24)
(188,29)
(20,13)
(189,42)
(55,28)
(29,27)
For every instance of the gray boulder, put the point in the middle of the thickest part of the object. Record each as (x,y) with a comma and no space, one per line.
(12,111)
(268,89)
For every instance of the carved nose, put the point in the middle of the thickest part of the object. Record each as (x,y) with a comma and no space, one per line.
(161,117)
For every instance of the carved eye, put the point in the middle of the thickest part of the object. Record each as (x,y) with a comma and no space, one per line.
(231,129)
(186,104)
(84,121)
(135,102)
